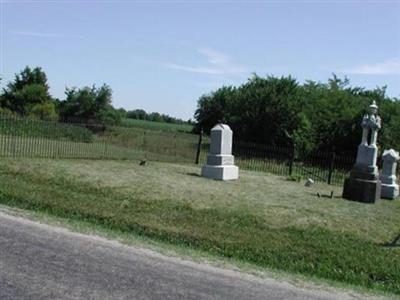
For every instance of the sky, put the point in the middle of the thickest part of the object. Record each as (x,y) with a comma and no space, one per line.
(163,55)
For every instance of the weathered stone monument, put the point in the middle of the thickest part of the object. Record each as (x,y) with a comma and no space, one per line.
(390,188)
(220,161)
(364,185)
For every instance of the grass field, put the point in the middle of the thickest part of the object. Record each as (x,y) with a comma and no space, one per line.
(162,126)
(260,219)
(26,127)
(24,137)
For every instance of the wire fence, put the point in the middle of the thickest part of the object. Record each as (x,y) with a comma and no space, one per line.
(26,137)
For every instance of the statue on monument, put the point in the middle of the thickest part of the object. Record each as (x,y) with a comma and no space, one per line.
(371,124)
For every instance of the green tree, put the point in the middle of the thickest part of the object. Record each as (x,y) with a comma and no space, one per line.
(310,116)
(139,114)
(90,103)
(28,95)
(263,110)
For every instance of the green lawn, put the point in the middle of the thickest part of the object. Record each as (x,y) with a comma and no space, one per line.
(162,126)
(261,218)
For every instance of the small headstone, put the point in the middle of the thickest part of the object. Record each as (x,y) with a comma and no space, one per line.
(390,188)
(309,182)
(220,161)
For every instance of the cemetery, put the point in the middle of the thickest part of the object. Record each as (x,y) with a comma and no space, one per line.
(233,213)
(173,149)
(318,213)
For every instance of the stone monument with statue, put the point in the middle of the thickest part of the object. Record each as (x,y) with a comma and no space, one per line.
(220,161)
(364,184)
(390,188)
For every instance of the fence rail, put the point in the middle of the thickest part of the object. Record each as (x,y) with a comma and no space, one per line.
(321,166)
(25,137)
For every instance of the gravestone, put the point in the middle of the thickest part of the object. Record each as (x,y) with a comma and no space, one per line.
(220,161)
(390,188)
(364,185)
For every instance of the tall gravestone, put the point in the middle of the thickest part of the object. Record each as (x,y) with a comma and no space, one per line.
(390,188)
(220,161)
(364,185)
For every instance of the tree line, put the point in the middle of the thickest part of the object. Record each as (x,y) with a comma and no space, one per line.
(140,114)
(28,95)
(272,110)
(311,116)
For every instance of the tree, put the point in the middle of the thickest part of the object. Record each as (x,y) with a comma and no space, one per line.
(28,95)
(89,103)
(311,116)
(139,114)
(261,110)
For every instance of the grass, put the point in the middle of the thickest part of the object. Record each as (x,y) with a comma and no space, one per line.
(181,146)
(26,127)
(191,254)
(23,137)
(161,126)
(263,220)
(137,143)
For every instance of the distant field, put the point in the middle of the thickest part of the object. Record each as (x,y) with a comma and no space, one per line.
(157,125)
(25,127)
(23,137)
(261,219)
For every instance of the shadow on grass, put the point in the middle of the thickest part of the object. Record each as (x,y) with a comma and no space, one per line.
(324,195)
(193,174)
(393,244)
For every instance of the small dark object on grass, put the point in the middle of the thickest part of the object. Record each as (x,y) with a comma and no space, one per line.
(142,162)
(394,243)
(322,195)
(294,178)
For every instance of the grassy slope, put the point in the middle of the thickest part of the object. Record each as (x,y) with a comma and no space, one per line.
(157,125)
(261,219)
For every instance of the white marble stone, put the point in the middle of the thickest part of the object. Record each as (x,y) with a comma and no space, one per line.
(221,140)
(220,161)
(390,188)
(309,182)
(366,158)
(367,152)
(220,172)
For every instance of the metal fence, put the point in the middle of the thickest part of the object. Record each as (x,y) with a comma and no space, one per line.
(26,137)
(321,166)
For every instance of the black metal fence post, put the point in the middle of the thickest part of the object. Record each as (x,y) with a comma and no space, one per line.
(104,149)
(175,149)
(331,167)
(199,147)
(291,162)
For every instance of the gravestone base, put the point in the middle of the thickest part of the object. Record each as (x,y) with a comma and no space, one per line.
(362,190)
(389,191)
(220,172)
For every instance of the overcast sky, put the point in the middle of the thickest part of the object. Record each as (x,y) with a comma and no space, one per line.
(162,55)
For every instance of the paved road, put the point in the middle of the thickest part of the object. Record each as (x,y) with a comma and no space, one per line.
(38,261)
